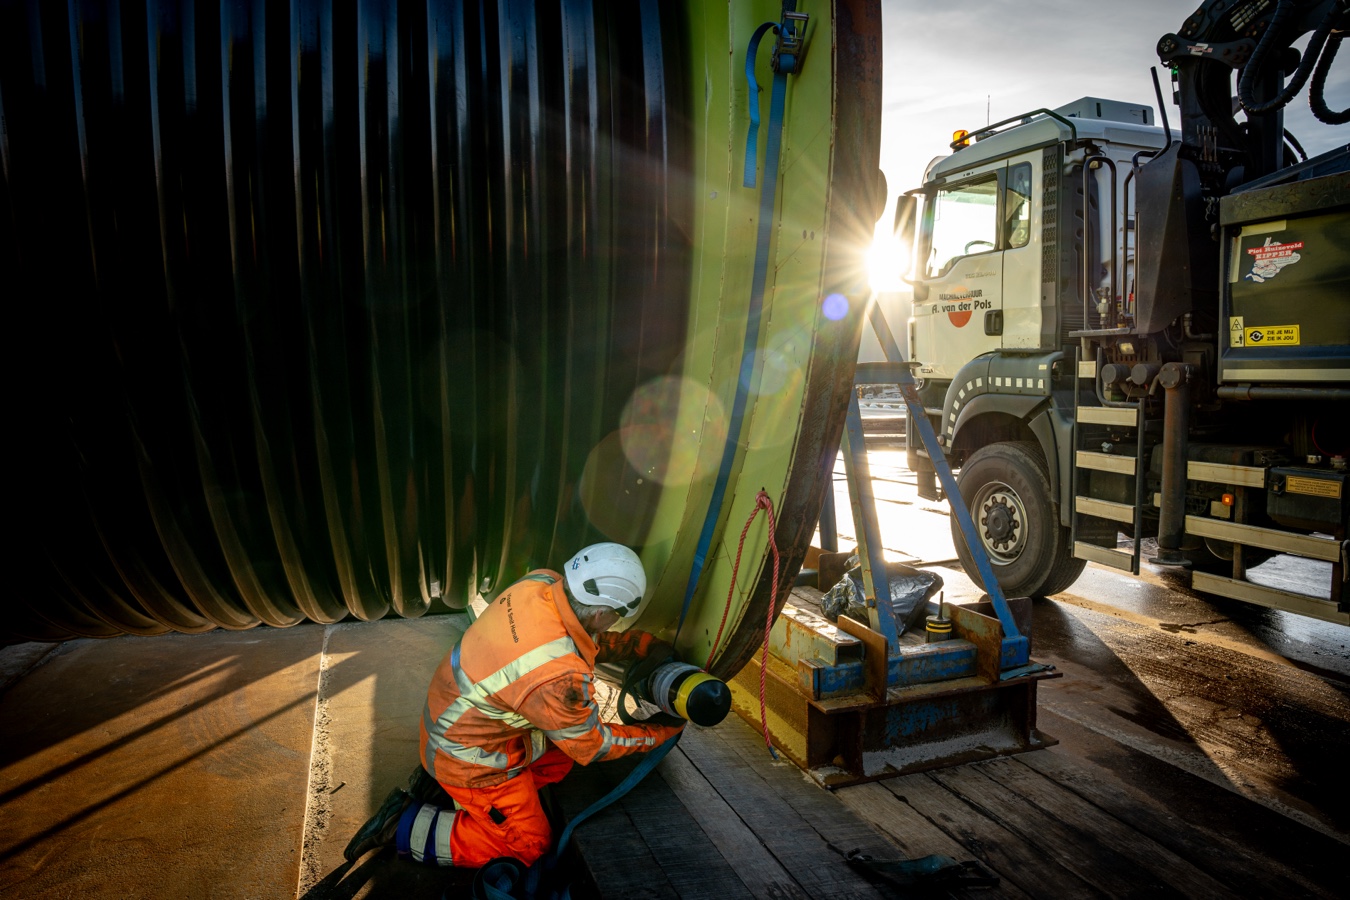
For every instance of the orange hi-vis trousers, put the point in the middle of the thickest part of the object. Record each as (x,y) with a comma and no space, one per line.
(506,819)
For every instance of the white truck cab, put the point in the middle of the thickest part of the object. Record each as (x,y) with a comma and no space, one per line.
(996,228)
(1025,228)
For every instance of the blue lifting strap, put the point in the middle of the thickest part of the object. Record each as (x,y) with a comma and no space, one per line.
(746,378)
(535,878)
(649,762)
(752,139)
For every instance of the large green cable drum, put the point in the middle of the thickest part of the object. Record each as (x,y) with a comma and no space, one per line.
(326,313)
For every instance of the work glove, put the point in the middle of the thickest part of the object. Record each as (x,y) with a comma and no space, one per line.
(614,646)
(663,733)
(650,645)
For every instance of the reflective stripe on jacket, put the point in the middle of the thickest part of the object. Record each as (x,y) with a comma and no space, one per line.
(522,677)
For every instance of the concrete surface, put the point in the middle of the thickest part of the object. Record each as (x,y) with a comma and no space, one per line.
(370,696)
(229,764)
(172,766)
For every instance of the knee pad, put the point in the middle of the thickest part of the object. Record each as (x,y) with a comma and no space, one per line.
(424,834)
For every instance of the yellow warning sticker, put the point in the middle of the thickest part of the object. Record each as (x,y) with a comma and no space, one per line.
(1270,334)
(1313,487)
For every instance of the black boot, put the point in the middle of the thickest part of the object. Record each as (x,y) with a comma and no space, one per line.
(425,789)
(381,827)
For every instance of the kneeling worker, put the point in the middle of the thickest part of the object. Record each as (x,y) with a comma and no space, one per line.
(510,708)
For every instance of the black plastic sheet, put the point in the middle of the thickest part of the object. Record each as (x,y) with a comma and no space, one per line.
(911,589)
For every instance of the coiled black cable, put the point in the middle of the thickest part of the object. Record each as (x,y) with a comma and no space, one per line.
(1263,48)
(1317,100)
(328,310)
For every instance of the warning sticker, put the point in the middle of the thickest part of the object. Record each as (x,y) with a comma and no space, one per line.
(1270,258)
(1270,334)
(1313,487)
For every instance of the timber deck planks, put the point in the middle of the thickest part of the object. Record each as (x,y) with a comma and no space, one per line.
(719,818)
(1070,842)
(988,840)
(1138,851)
(756,867)
(1254,851)
(1087,818)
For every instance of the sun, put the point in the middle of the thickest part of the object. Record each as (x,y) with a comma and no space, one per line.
(886,265)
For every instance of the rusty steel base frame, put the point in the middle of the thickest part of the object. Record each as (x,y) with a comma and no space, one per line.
(859,701)
(926,706)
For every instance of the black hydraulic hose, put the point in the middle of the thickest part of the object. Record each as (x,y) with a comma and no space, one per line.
(1317,100)
(1305,66)
(1297,147)
(1283,10)
(1142,154)
(1162,107)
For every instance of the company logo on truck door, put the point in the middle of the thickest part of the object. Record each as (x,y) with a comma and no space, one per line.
(1271,257)
(958,306)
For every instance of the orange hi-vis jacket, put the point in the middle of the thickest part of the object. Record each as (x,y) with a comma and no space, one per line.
(520,678)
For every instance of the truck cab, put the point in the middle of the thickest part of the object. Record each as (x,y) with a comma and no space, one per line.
(1023,227)
(1189,409)
(1002,216)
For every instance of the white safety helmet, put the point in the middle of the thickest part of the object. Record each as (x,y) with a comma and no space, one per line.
(607,575)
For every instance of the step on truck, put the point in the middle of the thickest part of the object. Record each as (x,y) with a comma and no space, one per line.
(1134,343)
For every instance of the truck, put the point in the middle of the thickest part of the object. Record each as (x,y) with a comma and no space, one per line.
(1134,344)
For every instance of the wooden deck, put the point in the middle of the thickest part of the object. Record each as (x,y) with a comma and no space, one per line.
(719,818)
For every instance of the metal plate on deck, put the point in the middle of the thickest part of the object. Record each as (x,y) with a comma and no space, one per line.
(799,634)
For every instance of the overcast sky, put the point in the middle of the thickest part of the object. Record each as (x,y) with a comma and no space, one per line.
(943,59)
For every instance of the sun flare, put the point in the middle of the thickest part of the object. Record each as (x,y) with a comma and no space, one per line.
(885,262)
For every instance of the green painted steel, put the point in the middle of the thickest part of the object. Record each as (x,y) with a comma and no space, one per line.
(342,313)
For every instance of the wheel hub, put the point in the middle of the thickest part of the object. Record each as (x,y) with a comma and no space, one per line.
(1002,519)
(1000,523)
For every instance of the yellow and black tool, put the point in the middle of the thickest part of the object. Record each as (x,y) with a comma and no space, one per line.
(679,690)
(939,627)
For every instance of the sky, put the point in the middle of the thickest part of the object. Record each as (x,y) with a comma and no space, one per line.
(945,60)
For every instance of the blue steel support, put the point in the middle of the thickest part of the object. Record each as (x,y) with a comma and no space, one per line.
(898,372)
(875,583)
(829,529)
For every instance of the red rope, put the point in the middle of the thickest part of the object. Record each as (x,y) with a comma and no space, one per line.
(764,502)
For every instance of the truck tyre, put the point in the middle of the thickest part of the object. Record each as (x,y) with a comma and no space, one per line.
(1007,490)
(1216,557)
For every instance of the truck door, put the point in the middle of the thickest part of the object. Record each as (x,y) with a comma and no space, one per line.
(958,309)
(1023,314)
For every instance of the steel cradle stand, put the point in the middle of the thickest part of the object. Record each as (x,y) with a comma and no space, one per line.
(856,701)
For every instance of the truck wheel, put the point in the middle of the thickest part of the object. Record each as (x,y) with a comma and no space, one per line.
(1007,490)
(1216,557)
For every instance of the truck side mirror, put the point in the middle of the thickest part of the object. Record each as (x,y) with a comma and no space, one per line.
(906,206)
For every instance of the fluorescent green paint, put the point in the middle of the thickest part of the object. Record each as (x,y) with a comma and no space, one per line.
(725,225)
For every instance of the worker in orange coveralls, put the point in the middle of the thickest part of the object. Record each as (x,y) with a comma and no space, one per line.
(510,708)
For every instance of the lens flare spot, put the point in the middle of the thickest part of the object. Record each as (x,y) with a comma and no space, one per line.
(778,373)
(835,307)
(617,504)
(663,425)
